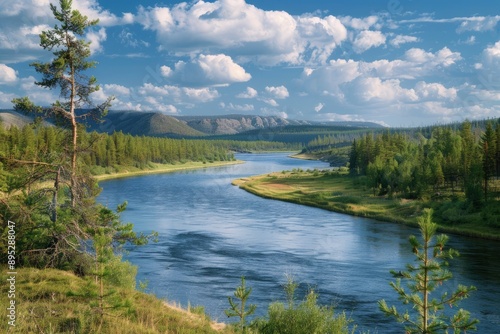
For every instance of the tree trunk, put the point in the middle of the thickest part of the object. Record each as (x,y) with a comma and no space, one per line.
(74,133)
(54,198)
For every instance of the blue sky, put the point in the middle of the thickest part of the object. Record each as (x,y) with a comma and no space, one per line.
(394,62)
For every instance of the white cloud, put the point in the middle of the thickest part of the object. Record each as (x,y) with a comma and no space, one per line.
(96,38)
(491,54)
(206,70)
(334,117)
(327,80)
(403,39)
(22,21)
(273,112)
(250,33)
(250,93)
(6,100)
(178,94)
(435,91)
(278,92)
(37,94)
(116,90)
(7,75)
(488,69)
(93,10)
(320,36)
(368,39)
(128,39)
(472,23)
(479,23)
(271,102)
(372,89)
(359,24)
(237,107)
(319,107)
(202,94)
(333,79)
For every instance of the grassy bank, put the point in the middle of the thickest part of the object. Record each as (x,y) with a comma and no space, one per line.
(154,168)
(339,193)
(55,301)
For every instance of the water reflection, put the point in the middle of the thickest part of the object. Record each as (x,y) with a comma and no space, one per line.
(211,233)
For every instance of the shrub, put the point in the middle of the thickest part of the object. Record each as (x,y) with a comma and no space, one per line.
(306,317)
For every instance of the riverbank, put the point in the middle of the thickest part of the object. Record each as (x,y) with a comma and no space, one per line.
(339,193)
(50,300)
(164,168)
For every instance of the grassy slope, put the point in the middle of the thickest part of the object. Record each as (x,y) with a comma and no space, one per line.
(45,304)
(342,194)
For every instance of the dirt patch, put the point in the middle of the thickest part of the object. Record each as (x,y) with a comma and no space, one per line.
(218,326)
(278,186)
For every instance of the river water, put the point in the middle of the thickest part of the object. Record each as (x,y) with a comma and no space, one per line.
(211,233)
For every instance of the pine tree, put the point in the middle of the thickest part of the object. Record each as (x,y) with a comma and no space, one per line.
(66,71)
(488,144)
(423,279)
(242,293)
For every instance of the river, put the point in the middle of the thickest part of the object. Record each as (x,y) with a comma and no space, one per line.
(211,233)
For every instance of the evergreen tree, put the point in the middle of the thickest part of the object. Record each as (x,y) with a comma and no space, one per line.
(488,144)
(66,71)
(423,279)
(242,293)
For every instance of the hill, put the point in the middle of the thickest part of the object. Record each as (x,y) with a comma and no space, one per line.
(158,124)
(145,123)
(10,118)
(233,124)
(56,301)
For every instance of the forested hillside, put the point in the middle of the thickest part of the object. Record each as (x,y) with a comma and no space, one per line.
(102,151)
(465,159)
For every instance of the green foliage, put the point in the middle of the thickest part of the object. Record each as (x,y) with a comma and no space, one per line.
(242,293)
(304,317)
(424,278)
(412,165)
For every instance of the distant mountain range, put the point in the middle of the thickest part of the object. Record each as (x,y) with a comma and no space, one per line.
(158,124)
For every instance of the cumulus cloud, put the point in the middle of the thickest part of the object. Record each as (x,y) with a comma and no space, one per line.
(434,91)
(250,33)
(403,39)
(374,89)
(416,63)
(383,85)
(93,10)
(368,39)
(273,112)
(96,38)
(479,23)
(280,92)
(7,74)
(148,97)
(249,93)
(22,21)
(488,70)
(206,70)
(271,102)
(179,94)
(360,23)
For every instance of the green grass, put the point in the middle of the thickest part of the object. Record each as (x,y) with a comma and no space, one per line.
(340,193)
(154,168)
(48,301)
